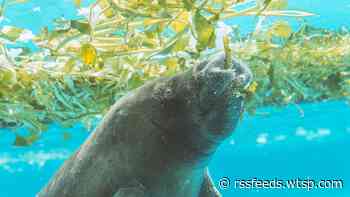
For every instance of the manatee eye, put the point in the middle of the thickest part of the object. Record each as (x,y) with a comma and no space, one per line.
(168,92)
(163,92)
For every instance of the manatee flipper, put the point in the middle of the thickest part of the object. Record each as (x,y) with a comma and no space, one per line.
(135,189)
(208,188)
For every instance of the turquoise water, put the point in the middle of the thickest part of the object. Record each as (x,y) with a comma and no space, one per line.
(279,144)
(39,13)
(283,143)
(328,14)
(287,145)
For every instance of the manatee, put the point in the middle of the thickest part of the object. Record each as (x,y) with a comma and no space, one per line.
(157,140)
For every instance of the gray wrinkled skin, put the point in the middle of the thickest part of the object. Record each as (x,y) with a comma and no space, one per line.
(158,140)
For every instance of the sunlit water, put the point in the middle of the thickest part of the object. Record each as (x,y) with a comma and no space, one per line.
(283,143)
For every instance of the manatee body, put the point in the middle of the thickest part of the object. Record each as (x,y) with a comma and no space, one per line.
(157,140)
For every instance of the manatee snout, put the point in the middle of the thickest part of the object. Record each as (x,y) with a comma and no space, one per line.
(222,73)
(243,74)
(219,77)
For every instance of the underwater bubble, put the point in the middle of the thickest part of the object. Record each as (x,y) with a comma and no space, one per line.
(32,158)
(4,159)
(41,157)
(301,131)
(232,142)
(37,9)
(10,111)
(262,138)
(11,169)
(8,168)
(311,136)
(280,138)
(323,132)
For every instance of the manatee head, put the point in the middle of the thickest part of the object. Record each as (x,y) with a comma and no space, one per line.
(199,108)
(220,93)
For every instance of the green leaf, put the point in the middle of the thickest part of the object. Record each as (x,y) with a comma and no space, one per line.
(181,43)
(103,4)
(77,3)
(188,4)
(82,27)
(69,66)
(88,54)
(266,4)
(281,29)
(278,4)
(8,76)
(205,32)
(11,33)
(228,51)
(32,138)
(68,80)
(60,96)
(17,1)
(181,22)
(171,45)
(21,141)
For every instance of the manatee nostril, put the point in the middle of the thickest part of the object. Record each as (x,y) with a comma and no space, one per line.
(226,73)
(244,74)
(243,80)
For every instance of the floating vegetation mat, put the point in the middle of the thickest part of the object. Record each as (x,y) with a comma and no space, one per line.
(74,72)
